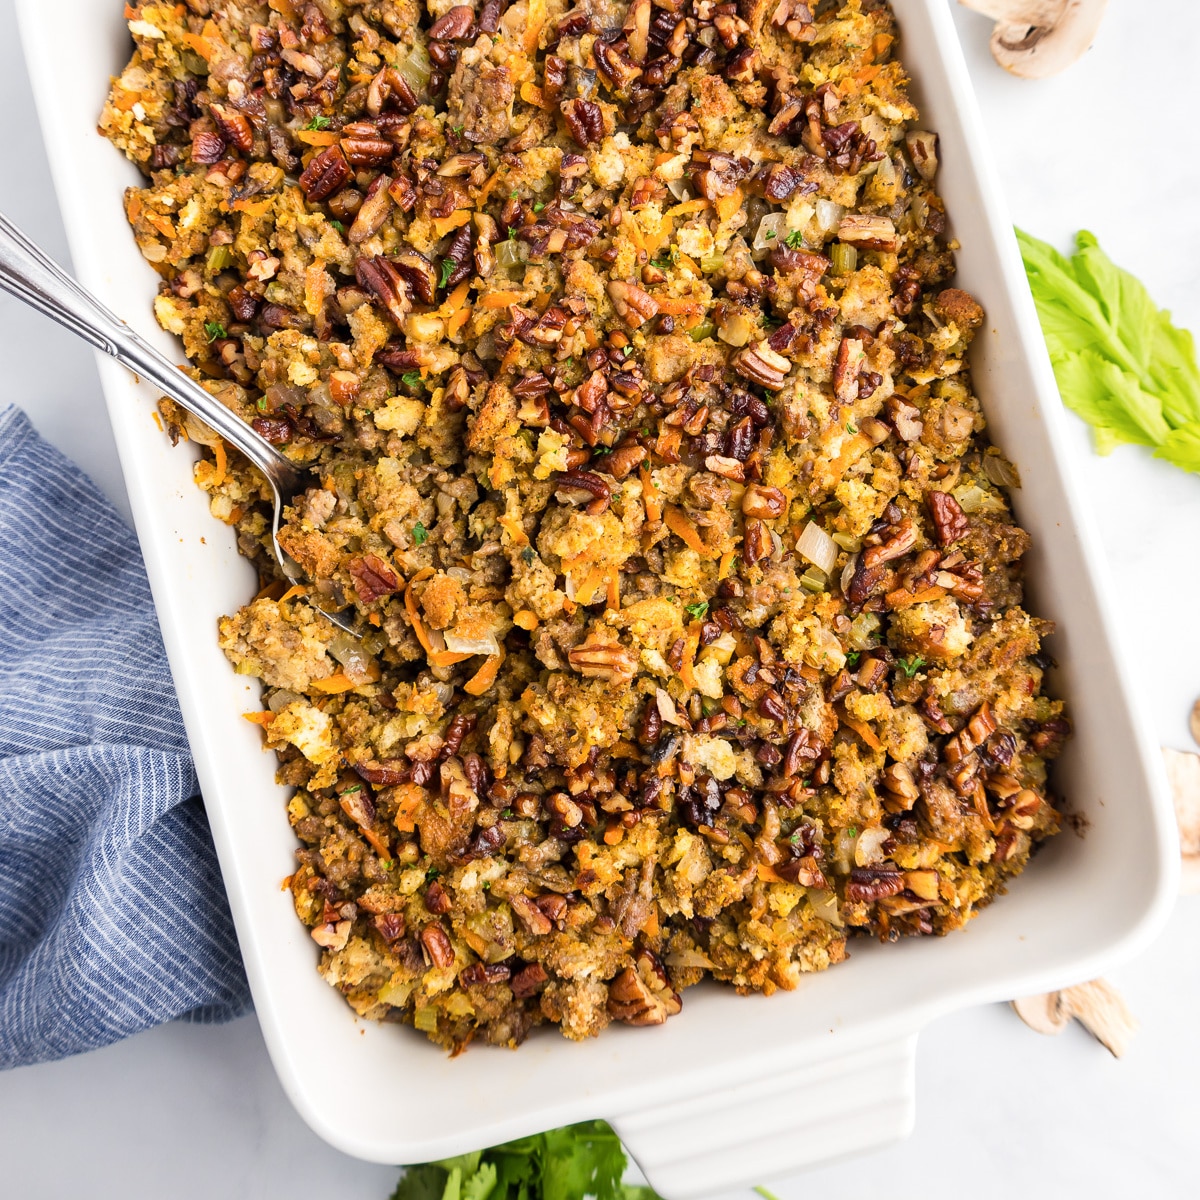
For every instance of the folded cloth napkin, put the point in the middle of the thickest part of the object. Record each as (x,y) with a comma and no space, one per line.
(113,917)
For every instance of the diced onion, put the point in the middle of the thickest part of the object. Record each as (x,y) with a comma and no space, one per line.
(677,188)
(735,329)
(349,652)
(970,499)
(772,230)
(198,432)
(689,958)
(508,254)
(829,216)
(466,645)
(817,547)
(864,630)
(281,699)
(825,906)
(417,68)
(1000,471)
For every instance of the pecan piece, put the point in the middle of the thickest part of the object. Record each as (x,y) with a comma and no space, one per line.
(604,660)
(868,884)
(867,232)
(948,518)
(327,172)
(419,273)
(846,370)
(905,418)
(633,305)
(372,578)
(234,127)
(437,945)
(389,926)
(455,24)
(580,487)
(528,981)
(764,503)
(532,917)
(584,120)
(380,277)
(901,542)
(642,994)
(480,973)
(373,212)
(760,364)
(207,147)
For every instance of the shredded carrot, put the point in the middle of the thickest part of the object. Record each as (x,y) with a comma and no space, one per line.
(456,322)
(378,843)
(443,225)
(455,300)
(651,925)
(201,45)
(767,874)
(683,529)
(410,607)
(273,590)
(649,495)
(675,306)
(864,731)
(515,530)
(904,599)
(485,191)
(447,658)
(613,599)
(253,208)
(880,44)
(318,137)
(374,619)
(725,565)
(532,94)
(484,677)
(510,357)
(688,206)
(158,421)
(534,20)
(569,607)
(409,798)
(263,718)
(222,463)
(585,592)
(334,685)
(502,299)
(728,205)
(525,619)
(614,833)
(690,643)
(682,260)
(295,590)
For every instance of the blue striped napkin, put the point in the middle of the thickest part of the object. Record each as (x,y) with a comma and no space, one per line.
(113,917)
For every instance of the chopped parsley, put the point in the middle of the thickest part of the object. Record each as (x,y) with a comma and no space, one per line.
(338,226)
(507,814)
(448,268)
(627,351)
(794,240)
(528,555)
(660,263)
(513,194)
(319,123)
(698,610)
(431,874)
(354,787)
(457,129)
(851,427)
(770,235)
(411,378)
(214,330)
(852,831)
(420,534)
(599,450)
(538,206)
(261,404)
(853,657)
(387,863)
(910,666)
(512,234)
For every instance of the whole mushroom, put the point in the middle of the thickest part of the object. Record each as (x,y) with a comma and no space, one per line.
(1038,38)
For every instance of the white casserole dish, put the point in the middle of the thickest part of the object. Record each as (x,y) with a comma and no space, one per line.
(734,1090)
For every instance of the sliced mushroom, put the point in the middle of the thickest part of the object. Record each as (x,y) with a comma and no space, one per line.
(1183,774)
(1097,1006)
(1038,38)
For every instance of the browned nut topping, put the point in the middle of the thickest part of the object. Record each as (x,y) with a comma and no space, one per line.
(481,973)
(874,883)
(372,578)
(760,364)
(898,780)
(436,899)
(729,468)
(867,232)
(923,884)
(389,926)
(949,520)
(529,981)
(332,936)
(327,172)
(905,418)
(922,149)
(374,210)
(234,127)
(846,370)
(642,994)
(531,916)
(604,660)
(633,305)
(437,946)
(900,543)
(625,459)
(584,120)
(764,503)
(583,487)
(381,278)
(457,23)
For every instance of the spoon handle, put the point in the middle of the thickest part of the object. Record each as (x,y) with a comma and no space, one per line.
(31,275)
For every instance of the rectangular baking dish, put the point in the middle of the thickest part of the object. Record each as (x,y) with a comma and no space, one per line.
(734,1090)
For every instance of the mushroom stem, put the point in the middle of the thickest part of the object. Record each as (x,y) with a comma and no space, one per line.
(1036,38)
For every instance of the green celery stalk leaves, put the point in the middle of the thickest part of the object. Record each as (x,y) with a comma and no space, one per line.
(1120,363)
(564,1164)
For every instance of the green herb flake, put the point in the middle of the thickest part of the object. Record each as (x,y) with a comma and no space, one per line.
(528,555)
(627,351)
(770,235)
(853,657)
(448,268)
(910,666)
(387,864)
(338,226)
(1120,363)
(214,330)
(431,874)
(538,206)
(319,123)
(697,610)
(261,404)
(420,534)
(851,427)
(457,129)
(794,240)
(411,379)
(507,814)
(354,787)
(597,451)
(852,831)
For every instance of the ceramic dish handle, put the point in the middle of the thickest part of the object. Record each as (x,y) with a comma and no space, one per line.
(768,1127)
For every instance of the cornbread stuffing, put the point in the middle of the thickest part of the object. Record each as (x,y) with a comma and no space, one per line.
(623,344)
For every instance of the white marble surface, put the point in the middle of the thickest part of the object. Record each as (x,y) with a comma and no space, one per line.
(193,1113)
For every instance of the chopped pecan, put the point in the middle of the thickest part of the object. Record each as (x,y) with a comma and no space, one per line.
(584,120)
(578,487)
(846,370)
(765,503)
(905,418)
(868,884)
(528,981)
(900,543)
(389,926)
(760,364)
(729,468)
(922,148)
(604,660)
(372,578)
(437,900)
(327,172)
(633,305)
(615,64)
(949,520)
(380,277)
(207,147)
(480,974)
(642,994)
(756,542)
(532,917)
(234,127)
(437,946)
(458,23)
(419,273)
(375,208)
(781,181)
(625,459)
(867,232)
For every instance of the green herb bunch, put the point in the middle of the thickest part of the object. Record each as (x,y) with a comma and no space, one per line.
(564,1164)
(1119,361)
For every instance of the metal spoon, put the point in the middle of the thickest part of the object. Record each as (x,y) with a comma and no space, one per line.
(31,275)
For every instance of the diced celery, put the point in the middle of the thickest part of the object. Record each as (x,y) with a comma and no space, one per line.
(219,257)
(844,258)
(711,263)
(417,68)
(704,330)
(851,545)
(426,1019)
